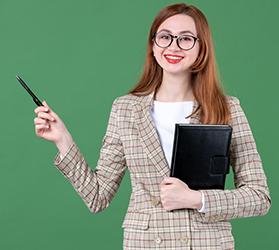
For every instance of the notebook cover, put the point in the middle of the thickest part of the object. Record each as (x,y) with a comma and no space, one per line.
(201,155)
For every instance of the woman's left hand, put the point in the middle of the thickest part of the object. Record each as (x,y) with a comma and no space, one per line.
(175,194)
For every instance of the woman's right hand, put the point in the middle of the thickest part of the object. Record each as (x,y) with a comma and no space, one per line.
(50,127)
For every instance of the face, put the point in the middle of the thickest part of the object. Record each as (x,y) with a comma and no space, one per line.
(172,59)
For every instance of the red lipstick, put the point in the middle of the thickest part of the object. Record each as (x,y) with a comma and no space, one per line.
(173,58)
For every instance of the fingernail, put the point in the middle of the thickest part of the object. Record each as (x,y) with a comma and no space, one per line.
(45,109)
(52,118)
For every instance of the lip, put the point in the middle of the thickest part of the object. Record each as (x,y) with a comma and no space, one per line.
(173,58)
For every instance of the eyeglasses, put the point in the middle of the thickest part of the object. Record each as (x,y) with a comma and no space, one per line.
(184,42)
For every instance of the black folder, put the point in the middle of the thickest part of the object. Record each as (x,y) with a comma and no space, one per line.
(201,155)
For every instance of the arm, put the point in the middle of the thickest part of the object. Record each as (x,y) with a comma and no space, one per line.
(251,196)
(96,188)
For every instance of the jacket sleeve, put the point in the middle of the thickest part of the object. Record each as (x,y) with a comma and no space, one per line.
(251,196)
(98,187)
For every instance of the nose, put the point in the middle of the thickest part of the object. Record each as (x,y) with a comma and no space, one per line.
(174,46)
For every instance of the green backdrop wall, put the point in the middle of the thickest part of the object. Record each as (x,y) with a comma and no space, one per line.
(80,55)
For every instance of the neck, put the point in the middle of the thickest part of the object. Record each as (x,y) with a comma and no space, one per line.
(175,89)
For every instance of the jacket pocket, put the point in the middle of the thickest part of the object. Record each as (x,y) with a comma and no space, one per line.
(220,225)
(136,220)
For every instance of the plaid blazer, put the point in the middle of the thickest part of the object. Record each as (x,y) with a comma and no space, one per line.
(132,142)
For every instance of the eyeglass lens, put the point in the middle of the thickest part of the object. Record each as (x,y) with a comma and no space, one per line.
(164,40)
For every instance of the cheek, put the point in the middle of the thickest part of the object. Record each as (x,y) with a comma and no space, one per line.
(195,54)
(197,50)
(155,54)
(159,53)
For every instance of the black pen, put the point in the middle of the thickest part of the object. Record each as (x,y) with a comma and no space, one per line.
(36,100)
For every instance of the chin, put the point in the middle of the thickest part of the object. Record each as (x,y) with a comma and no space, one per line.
(177,72)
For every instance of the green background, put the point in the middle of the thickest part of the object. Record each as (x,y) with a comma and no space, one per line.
(81,55)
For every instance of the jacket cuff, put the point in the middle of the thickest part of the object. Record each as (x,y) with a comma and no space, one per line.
(210,214)
(66,164)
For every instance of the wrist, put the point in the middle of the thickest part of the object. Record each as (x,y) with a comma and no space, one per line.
(64,143)
(197,200)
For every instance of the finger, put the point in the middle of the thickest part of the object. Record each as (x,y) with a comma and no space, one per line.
(45,104)
(50,111)
(38,121)
(41,127)
(46,116)
(168,181)
(41,109)
(44,108)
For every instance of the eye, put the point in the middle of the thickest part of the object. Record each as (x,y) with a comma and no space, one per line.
(164,36)
(186,39)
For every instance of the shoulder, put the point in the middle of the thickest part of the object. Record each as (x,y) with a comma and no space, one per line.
(232,101)
(125,102)
(237,113)
(126,99)
(129,100)
(234,104)
(125,106)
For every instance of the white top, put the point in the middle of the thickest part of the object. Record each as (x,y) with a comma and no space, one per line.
(165,115)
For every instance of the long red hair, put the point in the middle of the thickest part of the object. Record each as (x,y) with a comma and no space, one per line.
(212,105)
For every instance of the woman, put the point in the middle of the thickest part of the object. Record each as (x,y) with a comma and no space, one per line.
(179,84)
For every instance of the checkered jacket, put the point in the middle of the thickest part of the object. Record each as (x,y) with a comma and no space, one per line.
(132,142)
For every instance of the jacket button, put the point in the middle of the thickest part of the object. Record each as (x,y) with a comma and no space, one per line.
(154,202)
(212,218)
(184,239)
(158,240)
(219,217)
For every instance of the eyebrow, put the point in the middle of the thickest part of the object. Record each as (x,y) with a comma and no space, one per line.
(181,32)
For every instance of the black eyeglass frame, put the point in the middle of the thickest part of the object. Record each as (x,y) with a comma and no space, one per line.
(177,37)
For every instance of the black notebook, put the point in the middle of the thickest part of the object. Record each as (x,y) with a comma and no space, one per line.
(201,155)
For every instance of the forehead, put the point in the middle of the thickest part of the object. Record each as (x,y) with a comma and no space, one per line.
(179,23)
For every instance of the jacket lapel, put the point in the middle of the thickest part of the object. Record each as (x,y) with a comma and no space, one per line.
(148,134)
